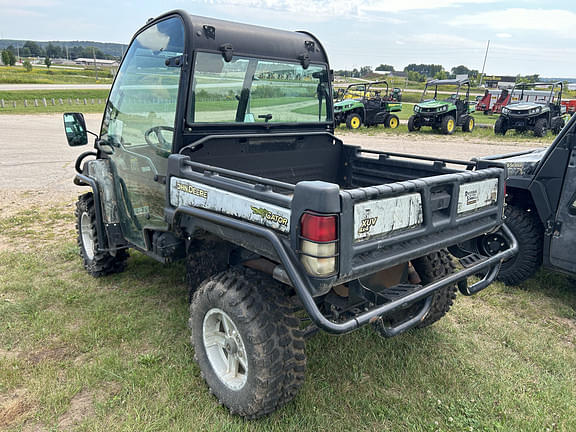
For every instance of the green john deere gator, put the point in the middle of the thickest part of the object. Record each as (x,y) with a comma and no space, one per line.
(444,114)
(369,105)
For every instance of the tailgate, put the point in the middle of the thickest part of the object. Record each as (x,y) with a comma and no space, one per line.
(389,224)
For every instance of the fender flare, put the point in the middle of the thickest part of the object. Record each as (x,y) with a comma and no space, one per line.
(84,180)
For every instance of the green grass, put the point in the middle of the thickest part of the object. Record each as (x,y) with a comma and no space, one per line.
(487,134)
(19,96)
(41,75)
(113,354)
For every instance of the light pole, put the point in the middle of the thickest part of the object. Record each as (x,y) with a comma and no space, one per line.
(484,64)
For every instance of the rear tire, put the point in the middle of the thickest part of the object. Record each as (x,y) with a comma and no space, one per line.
(96,262)
(448,125)
(529,233)
(392,121)
(413,124)
(258,329)
(541,127)
(500,126)
(469,124)
(430,268)
(557,125)
(353,121)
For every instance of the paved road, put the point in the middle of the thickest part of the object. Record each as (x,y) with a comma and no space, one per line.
(12,87)
(34,155)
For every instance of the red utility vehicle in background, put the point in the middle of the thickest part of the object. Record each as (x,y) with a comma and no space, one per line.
(493,101)
(570,106)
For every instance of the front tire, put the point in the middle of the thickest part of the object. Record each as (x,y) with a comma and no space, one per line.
(413,124)
(500,126)
(353,121)
(448,125)
(247,342)
(96,262)
(529,233)
(541,127)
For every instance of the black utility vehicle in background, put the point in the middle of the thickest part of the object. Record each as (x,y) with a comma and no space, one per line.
(541,207)
(533,110)
(217,147)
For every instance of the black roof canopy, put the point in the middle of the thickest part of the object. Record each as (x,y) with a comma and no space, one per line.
(210,34)
(448,82)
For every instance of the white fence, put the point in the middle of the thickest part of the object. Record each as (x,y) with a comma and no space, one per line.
(46,102)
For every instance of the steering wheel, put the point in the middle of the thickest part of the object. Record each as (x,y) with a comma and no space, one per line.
(163,147)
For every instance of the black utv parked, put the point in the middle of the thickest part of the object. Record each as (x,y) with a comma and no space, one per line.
(217,146)
(533,110)
(541,208)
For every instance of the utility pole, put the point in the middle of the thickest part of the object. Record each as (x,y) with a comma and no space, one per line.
(484,64)
(95,67)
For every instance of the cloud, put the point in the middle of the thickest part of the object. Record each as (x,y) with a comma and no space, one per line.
(376,10)
(557,21)
(503,35)
(24,4)
(24,8)
(13,12)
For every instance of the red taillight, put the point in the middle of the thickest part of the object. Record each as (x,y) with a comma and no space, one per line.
(318,228)
(319,244)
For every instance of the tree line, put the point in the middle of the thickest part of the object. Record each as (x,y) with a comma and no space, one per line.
(423,72)
(33,49)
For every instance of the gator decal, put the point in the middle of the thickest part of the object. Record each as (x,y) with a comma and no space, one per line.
(187,193)
(267,214)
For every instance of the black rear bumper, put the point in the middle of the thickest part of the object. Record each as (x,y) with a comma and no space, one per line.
(291,272)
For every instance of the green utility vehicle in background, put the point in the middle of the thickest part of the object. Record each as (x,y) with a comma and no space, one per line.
(446,114)
(533,110)
(369,105)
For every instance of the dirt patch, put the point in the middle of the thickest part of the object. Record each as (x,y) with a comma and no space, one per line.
(9,355)
(14,201)
(31,220)
(14,408)
(54,354)
(82,405)
(33,427)
(81,408)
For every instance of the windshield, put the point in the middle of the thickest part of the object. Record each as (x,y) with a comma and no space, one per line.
(532,93)
(252,90)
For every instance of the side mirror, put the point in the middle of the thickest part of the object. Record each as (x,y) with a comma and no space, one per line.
(75,128)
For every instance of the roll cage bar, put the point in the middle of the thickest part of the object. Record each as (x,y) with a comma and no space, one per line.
(526,86)
(366,87)
(437,82)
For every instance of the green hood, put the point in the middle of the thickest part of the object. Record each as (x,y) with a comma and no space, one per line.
(347,104)
(432,104)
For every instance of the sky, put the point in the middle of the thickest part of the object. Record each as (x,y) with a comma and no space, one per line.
(526,36)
